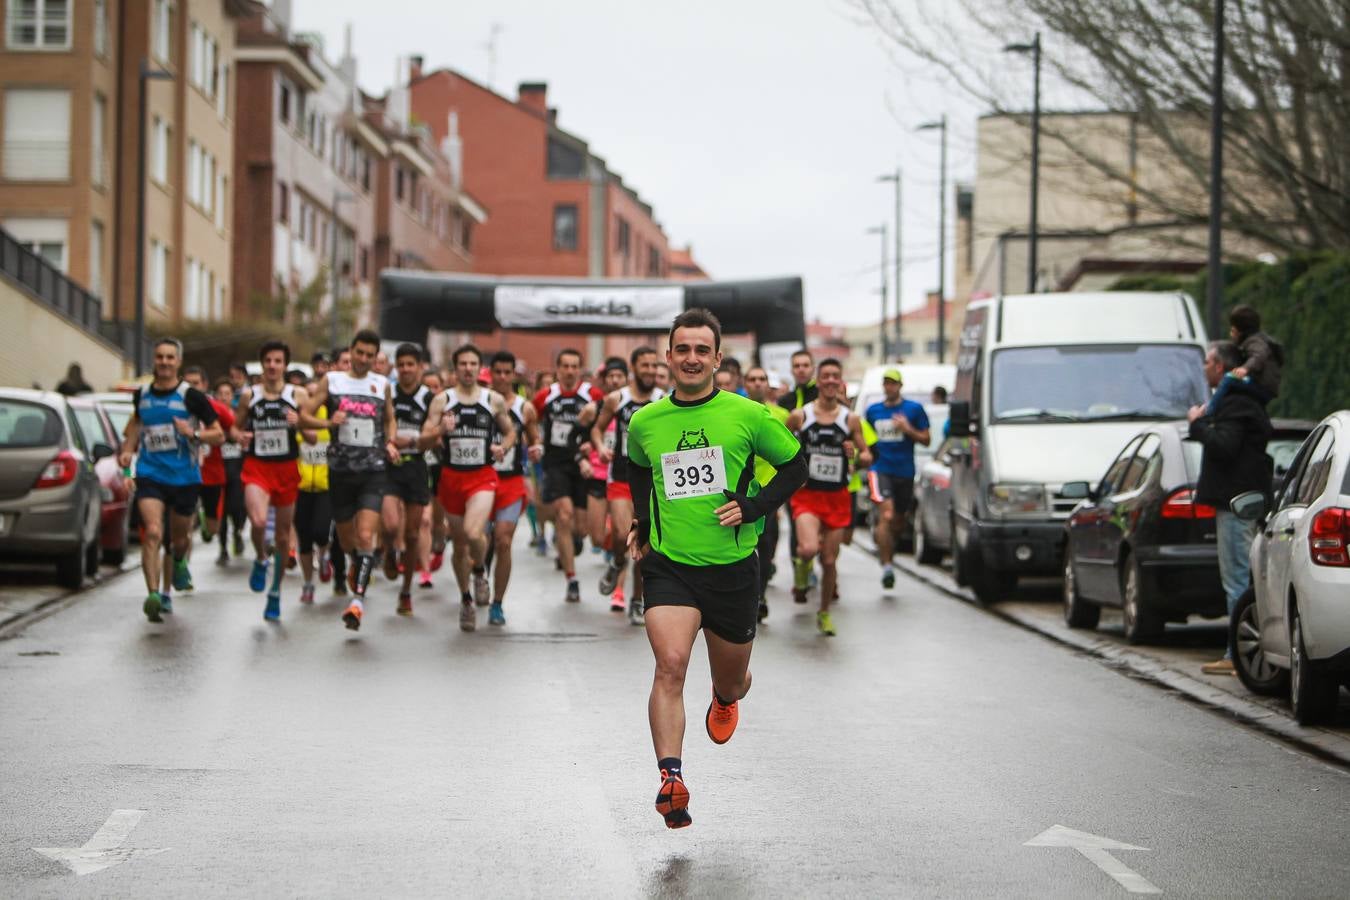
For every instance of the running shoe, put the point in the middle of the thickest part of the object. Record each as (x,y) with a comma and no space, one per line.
(721,719)
(636,612)
(272,611)
(468,616)
(152,607)
(390,564)
(206,533)
(541,546)
(182,578)
(340,586)
(763,608)
(307,593)
(482,591)
(596,551)
(610,580)
(799,595)
(223,559)
(424,580)
(238,543)
(495,615)
(405,604)
(437,560)
(616,602)
(292,561)
(165,603)
(609,557)
(352,617)
(672,801)
(326,569)
(825,624)
(257,579)
(578,544)
(573,592)
(888,578)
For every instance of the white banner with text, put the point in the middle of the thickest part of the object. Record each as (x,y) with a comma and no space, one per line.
(630,308)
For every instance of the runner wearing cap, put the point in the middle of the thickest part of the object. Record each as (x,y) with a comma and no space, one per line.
(899,425)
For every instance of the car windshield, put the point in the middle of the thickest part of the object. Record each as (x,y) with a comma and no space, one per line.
(91,427)
(1283,451)
(28,425)
(1096,383)
(120,414)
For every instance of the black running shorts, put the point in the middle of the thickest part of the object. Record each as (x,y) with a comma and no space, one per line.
(563,480)
(727,596)
(410,481)
(352,491)
(179,499)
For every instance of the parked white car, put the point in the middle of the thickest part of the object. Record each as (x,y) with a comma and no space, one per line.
(1293,627)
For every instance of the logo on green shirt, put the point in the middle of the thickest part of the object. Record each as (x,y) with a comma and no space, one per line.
(692,440)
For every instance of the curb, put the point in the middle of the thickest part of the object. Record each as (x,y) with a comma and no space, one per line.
(1324,745)
(16,624)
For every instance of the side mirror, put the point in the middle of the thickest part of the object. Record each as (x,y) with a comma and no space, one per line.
(102,451)
(1249,506)
(1076,490)
(959,418)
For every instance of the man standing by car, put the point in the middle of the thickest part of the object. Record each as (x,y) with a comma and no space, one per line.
(1234,461)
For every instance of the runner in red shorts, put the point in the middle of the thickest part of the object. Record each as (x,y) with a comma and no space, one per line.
(512,487)
(618,408)
(464,418)
(830,436)
(269,414)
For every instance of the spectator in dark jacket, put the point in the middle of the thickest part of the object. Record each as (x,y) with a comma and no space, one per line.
(1234,461)
(74,383)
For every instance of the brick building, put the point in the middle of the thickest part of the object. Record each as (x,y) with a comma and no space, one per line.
(68,176)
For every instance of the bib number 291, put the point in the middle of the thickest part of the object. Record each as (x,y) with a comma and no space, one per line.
(693,473)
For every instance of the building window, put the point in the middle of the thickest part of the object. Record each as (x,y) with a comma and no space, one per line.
(466,234)
(931,347)
(95,257)
(101,27)
(653,262)
(220,302)
(159,151)
(37,135)
(906,347)
(161,37)
(222,188)
(565,227)
(97,165)
(39,24)
(45,237)
(222,89)
(190,289)
(283,203)
(159,274)
(564,160)
(284,103)
(204,52)
(398,182)
(625,240)
(194,169)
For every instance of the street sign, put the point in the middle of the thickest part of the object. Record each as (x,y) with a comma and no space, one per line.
(1094,847)
(104,850)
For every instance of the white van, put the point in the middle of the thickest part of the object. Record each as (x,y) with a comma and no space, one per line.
(1049,387)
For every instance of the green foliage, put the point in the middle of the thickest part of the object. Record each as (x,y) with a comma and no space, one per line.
(1304,302)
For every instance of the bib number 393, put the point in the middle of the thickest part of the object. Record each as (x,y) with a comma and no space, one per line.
(693,473)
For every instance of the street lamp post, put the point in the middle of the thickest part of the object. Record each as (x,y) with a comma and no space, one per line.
(339,197)
(1034,48)
(881,230)
(1214,281)
(941,126)
(895,342)
(146,74)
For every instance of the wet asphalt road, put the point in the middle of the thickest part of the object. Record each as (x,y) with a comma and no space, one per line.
(913,755)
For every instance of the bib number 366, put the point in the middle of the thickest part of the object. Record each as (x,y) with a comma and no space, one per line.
(693,473)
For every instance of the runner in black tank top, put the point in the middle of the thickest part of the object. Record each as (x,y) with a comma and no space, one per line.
(512,494)
(409,481)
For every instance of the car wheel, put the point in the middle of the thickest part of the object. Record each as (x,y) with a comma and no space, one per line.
(1142,622)
(70,568)
(1314,696)
(1078,613)
(1244,634)
(924,551)
(960,560)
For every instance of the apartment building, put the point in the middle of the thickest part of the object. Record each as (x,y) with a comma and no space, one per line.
(70,75)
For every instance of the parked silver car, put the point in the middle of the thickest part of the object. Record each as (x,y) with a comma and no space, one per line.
(50,497)
(933,502)
(1293,627)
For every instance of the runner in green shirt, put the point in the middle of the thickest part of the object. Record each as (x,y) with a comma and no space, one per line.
(698,512)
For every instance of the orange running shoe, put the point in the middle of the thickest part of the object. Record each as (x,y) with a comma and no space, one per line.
(352,617)
(672,801)
(721,720)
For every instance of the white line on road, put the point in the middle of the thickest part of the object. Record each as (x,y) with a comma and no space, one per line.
(1095,849)
(104,849)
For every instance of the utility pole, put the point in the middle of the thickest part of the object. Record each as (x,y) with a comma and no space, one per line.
(1214,279)
(881,343)
(941,126)
(1034,48)
(338,198)
(895,343)
(146,74)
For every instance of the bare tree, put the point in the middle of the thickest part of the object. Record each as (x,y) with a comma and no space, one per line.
(1287,95)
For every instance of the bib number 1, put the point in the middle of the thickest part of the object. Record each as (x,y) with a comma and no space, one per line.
(693,473)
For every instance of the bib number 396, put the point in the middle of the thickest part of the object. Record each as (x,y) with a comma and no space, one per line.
(693,473)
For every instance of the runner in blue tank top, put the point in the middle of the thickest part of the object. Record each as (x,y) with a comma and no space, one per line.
(169,423)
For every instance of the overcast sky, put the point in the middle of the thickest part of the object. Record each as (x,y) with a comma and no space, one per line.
(755,128)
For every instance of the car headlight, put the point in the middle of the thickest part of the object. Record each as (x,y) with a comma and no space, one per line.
(1008,499)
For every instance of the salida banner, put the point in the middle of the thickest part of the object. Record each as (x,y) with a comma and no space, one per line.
(632,308)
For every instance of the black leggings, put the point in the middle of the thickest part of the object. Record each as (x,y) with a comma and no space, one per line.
(313,520)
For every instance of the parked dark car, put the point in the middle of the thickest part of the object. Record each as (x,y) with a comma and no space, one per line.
(103,441)
(50,499)
(1139,541)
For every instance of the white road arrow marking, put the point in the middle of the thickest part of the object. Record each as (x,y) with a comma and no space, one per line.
(1094,847)
(104,849)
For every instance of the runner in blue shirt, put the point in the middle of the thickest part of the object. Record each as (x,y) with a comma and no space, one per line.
(899,425)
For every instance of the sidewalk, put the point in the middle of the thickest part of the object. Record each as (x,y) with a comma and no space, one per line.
(31,594)
(1174,663)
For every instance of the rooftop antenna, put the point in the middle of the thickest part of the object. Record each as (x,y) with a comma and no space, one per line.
(491,46)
